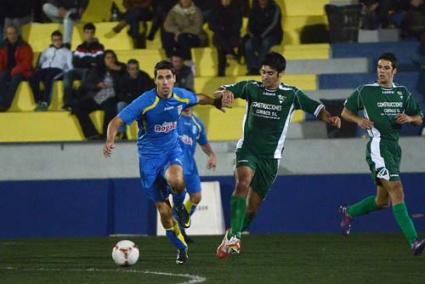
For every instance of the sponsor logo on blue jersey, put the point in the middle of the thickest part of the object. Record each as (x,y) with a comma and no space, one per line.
(165,127)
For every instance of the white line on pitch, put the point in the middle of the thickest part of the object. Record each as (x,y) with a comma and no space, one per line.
(192,279)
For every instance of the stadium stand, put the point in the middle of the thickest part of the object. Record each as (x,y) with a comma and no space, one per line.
(325,71)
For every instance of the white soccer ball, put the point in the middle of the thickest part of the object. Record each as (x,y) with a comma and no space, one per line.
(125,253)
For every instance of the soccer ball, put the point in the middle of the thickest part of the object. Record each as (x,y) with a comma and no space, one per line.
(125,253)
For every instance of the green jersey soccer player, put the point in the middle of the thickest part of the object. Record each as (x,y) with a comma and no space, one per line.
(386,106)
(270,105)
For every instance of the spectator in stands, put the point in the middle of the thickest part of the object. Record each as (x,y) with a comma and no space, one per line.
(54,61)
(264,31)
(99,91)
(183,27)
(414,22)
(17,13)
(66,12)
(136,11)
(87,56)
(206,7)
(1,23)
(160,11)
(135,83)
(15,65)
(184,74)
(226,23)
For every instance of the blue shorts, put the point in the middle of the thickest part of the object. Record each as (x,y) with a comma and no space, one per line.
(193,183)
(152,170)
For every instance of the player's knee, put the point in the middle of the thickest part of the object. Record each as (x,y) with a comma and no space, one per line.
(396,192)
(196,199)
(177,184)
(242,187)
(382,203)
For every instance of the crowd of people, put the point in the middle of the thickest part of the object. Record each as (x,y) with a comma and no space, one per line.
(180,24)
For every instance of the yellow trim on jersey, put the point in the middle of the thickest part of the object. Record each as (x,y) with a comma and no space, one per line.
(186,101)
(153,105)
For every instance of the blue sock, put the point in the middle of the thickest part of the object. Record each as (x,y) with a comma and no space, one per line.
(178,199)
(175,236)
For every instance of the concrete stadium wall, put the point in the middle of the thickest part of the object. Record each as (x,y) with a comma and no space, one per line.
(70,190)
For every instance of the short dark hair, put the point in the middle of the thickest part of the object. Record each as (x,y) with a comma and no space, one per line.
(56,33)
(133,61)
(276,61)
(89,26)
(389,56)
(164,64)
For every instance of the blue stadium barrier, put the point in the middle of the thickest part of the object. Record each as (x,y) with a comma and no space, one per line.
(404,51)
(296,204)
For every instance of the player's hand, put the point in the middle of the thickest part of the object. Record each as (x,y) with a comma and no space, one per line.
(335,121)
(212,162)
(107,149)
(403,118)
(364,123)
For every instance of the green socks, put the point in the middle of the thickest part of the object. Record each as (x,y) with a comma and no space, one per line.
(363,207)
(238,206)
(247,221)
(405,222)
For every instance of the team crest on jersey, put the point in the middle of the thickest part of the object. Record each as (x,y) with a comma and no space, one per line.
(193,129)
(179,108)
(383,174)
(281,98)
(400,93)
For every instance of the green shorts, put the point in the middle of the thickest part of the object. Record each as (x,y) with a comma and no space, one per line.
(383,157)
(265,170)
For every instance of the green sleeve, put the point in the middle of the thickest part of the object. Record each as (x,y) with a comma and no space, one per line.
(354,103)
(412,107)
(240,89)
(302,101)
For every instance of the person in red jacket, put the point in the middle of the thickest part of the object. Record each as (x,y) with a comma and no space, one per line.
(15,65)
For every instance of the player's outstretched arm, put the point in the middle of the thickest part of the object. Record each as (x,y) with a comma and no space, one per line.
(220,101)
(351,117)
(403,118)
(212,161)
(325,116)
(113,126)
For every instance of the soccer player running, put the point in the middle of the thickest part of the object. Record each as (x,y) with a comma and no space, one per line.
(270,105)
(191,131)
(160,156)
(386,107)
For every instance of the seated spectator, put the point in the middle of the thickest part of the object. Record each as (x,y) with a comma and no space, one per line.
(414,22)
(264,31)
(86,57)
(135,83)
(160,11)
(17,13)
(184,74)
(15,65)
(183,27)
(66,12)
(136,11)
(99,91)
(206,7)
(54,61)
(226,23)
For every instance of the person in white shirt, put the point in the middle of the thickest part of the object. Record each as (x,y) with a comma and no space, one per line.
(54,61)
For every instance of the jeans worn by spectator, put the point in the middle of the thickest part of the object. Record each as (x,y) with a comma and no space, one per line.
(256,49)
(68,22)
(47,76)
(182,46)
(68,81)
(8,86)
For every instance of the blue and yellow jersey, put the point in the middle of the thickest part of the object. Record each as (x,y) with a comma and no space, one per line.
(191,130)
(157,119)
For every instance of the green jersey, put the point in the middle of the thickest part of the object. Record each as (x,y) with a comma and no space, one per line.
(381,105)
(268,114)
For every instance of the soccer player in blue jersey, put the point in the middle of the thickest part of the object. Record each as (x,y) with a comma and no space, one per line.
(191,131)
(160,156)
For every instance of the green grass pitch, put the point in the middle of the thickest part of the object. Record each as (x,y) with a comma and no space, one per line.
(360,258)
